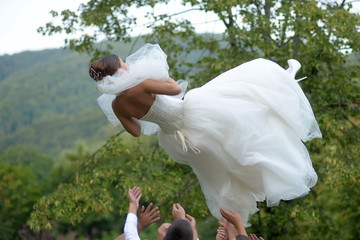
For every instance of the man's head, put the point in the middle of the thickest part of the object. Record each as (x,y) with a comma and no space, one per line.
(179,230)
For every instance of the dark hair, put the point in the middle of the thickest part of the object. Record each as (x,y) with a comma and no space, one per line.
(104,67)
(180,229)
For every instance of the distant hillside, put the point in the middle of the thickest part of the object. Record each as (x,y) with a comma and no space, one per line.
(63,132)
(48,101)
(10,64)
(44,91)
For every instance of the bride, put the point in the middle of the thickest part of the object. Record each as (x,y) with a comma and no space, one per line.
(242,132)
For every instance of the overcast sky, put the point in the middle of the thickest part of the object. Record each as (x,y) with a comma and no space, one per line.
(19,20)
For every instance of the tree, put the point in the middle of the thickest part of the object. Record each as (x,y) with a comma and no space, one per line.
(24,175)
(40,164)
(321,34)
(18,192)
(100,182)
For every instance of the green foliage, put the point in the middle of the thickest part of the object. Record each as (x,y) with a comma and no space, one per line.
(88,126)
(39,164)
(18,192)
(101,182)
(50,91)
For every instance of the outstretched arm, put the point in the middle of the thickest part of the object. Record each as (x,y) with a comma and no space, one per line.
(170,87)
(254,237)
(222,234)
(130,126)
(192,223)
(162,231)
(134,195)
(147,216)
(130,228)
(121,237)
(178,211)
(229,228)
(235,219)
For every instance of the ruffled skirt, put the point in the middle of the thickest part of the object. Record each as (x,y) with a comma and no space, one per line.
(249,124)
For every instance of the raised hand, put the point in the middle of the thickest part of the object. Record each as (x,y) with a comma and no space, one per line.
(235,219)
(221,234)
(230,228)
(192,223)
(178,211)
(162,231)
(231,216)
(147,216)
(134,195)
(254,237)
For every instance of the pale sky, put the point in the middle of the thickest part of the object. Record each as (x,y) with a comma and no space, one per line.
(19,20)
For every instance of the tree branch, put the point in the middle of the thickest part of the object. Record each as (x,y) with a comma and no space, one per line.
(296,40)
(283,29)
(338,98)
(180,193)
(88,159)
(342,4)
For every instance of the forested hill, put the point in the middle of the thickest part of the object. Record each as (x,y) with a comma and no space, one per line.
(48,101)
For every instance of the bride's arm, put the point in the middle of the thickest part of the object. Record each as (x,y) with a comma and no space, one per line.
(130,126)
(128,123)
(170,87)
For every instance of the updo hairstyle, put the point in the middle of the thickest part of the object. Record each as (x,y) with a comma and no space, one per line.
(104,67)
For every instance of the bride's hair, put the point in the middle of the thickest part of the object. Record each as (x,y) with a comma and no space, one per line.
(104,67)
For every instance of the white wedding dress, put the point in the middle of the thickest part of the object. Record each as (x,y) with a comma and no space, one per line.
(242,133)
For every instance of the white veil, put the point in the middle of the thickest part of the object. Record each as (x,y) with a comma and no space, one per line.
(148,62)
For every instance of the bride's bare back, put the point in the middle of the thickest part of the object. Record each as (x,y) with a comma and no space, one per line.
(136,102)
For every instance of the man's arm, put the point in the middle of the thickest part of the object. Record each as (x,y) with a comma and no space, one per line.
(254,237)
(192,222)
(147,216)
(222,234)
(229,227)
(162,231)
(130,228)
(235,219)
(134,195)
(178,211)
(121,237)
